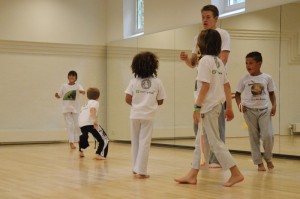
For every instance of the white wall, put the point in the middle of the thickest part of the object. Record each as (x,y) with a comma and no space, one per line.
(163,15)
(54,21)
(40,42)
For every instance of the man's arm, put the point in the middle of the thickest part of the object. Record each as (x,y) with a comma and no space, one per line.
(190,62)
(224,56)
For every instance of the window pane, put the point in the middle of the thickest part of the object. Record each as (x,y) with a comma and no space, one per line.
(140,14)
(232,2)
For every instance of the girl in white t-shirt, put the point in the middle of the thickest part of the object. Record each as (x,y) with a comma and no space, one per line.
(213,89)
(69,92)
(144,93)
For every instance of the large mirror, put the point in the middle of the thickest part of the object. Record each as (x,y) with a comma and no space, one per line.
(272,31)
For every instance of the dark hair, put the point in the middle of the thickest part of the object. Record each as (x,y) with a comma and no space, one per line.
(72,73)
(211,8)
(255,55)
(93,93)
(144,64)
(209,42)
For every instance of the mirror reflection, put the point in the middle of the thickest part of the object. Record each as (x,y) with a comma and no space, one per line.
(273,32)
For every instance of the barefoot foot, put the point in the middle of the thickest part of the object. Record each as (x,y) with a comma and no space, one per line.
(261,167)
(72,145)
(81,154)
(233,180)
(99,157)
(141,176)
(186,180)
(270,165)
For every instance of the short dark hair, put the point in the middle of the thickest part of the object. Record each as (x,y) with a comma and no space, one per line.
(93,93)
(211,8)
(72,73)
(209,42)
(145,64)
(255,55)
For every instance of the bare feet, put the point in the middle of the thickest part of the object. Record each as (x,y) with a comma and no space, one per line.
(233,180)
(99,157)
(261,167)
(190,178)
(81,154)
(214,166)
(270,165)
(141,176)
(72,145)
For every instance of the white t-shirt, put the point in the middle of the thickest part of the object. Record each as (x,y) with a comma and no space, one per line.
(145,93)
(211,70)
(84,118)
(70,97)
(256,90)
(225,37)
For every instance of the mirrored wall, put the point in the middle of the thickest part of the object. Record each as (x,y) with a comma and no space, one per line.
(274,32)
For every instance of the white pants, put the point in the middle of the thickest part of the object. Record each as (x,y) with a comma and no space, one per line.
(141,134)
(73,130)
(212,141)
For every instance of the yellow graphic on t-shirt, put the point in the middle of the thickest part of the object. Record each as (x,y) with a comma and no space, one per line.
(70,95)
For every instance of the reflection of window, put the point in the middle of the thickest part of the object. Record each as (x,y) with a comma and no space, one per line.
(232,2)
(229,7)
(140,14)
(133,17)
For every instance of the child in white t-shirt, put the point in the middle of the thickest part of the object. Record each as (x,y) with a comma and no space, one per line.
(258,89)
(213,89)
(69,92)
(144,93)
(88,124)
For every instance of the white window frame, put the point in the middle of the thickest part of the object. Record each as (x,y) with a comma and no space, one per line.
(226,9)
(233,7)
(130,19)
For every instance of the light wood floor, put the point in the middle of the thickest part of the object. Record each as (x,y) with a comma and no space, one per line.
(54,171)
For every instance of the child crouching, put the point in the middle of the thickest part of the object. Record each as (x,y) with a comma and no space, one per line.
(88,124)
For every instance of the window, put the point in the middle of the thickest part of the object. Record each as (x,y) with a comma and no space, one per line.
(233,2)
(229,7)
(140,14)
(133,18)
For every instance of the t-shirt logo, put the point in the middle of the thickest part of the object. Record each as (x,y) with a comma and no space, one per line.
(146,84)
(256,89)
(70,95)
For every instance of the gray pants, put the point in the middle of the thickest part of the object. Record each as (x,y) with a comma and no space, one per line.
(212,141)
(221,122)
(260,128)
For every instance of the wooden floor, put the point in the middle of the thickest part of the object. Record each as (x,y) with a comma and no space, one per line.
(54,171)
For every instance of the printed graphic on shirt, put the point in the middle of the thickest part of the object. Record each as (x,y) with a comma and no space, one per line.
(257,89)
(146,84)
(71,95)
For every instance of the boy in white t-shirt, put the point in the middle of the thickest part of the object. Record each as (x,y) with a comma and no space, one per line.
(144,93)
(258,89)
(88,124)
(69,92)
(213,89)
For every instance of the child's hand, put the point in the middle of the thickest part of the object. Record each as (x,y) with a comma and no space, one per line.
(273,110)
(96,125)
(196,117)
(57,96)
(229,114)
(82,92)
